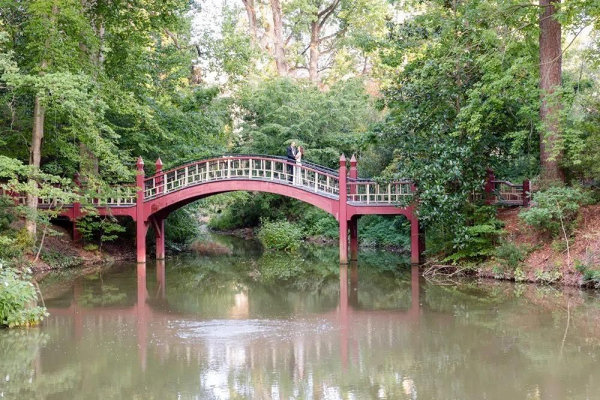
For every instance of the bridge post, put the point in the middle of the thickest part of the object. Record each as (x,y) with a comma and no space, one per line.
(76,210)
(526,193)
(343,211)
(140,220)
(158,182)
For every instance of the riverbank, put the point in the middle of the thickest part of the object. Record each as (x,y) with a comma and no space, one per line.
(251,234)
(60,252)
(535,258)
(531,257)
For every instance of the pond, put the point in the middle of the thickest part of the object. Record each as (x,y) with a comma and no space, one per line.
(247,324)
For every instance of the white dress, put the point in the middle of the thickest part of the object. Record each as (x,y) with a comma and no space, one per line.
(298,170)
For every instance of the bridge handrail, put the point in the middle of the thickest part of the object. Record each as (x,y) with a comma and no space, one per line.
(308,165)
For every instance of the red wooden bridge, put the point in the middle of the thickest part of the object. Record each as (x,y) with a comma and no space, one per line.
(338,192)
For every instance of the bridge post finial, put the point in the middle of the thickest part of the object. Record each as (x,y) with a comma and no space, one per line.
(353,160)
(353,173)
(159,176)
(140,164)
(343,160)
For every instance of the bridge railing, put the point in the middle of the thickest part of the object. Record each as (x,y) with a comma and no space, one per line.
(508,193)
(117,196)
(262,168)
(372,192)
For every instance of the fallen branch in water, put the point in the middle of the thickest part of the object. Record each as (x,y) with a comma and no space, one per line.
(441,275)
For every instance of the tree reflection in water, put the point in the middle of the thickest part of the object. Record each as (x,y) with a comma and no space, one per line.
(218,332)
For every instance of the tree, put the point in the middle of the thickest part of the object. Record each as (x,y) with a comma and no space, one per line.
(550,81)
(304,38)
(463,99)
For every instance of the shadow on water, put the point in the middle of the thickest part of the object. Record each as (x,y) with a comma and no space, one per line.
(260,325)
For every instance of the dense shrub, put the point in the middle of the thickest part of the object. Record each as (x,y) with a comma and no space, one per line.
(280,235)
(318,223)
(377,230)
(182,226)
(589,268)
(479,238)
(246,210)
(101,229)
(510,255)
(555,211)
(18,297)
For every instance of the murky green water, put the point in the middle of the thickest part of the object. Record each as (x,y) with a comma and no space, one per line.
(240,325)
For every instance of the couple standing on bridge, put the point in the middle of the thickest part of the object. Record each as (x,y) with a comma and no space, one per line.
(295,154)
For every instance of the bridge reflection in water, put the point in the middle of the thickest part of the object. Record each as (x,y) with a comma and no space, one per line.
(127,332)
(156,322)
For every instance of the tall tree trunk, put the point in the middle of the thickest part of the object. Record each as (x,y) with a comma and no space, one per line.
(37,134)
(278,43)
(314,54)
(35,156)
(550,80)
(251,12)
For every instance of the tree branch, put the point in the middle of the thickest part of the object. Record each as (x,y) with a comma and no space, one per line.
(338,33)
(325,14)
(173,38)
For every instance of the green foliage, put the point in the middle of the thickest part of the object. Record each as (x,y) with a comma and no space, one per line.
(377,230)
(18,297)
(555,210)
(100,228)
(91,247)
(280,235)
(317,223)
(182,226)
(589,268)
(478,239)
(303,273)
(591,277)
(325,123)
(58,260)
(13,242)
(548,277)
(519,275)
(510,255)
(463,99)
(245,210)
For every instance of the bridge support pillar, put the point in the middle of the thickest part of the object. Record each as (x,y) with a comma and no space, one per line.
(343,241)
(353,224)
(140,240)
(417,242)
(159,231)
(140,218)
(343,211)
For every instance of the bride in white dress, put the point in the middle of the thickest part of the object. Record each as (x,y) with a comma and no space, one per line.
(297,169)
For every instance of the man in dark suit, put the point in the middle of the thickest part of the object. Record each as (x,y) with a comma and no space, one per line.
(291,155)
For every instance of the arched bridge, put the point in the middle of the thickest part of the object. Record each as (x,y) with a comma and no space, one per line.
(339,192)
